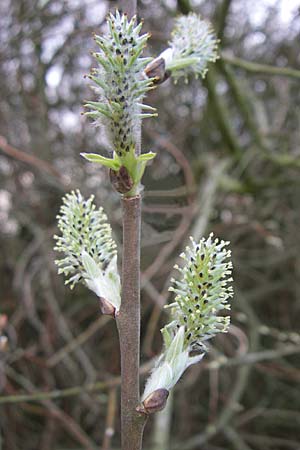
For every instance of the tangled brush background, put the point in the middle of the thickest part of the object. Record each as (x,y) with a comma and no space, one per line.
(228,161)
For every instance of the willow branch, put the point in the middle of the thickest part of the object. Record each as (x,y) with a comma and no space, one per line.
(128,322)
(254,67)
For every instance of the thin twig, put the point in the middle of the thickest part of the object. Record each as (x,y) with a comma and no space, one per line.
(261,68)
(32,160)
(110,419)
(70,392)
(77,341)
(248,359)
(68,422)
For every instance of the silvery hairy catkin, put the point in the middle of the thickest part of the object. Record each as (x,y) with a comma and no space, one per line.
(121,85)
(203,290)
(192,47)
(90,253)
(201,294)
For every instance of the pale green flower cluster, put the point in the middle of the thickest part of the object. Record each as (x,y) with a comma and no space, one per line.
(121,86)
(202,293)
(192,47)
(90,254)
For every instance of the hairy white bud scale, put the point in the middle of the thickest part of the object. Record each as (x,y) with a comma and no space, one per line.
(171,365)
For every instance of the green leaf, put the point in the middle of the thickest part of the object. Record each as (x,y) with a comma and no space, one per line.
(146,156)
(107,162)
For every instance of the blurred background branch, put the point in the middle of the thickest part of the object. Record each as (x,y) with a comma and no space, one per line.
(228,162)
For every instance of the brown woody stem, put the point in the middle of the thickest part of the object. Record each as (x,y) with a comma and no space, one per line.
(128,322)
(129,317)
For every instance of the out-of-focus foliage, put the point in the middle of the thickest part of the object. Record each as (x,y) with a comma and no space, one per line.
(228,161)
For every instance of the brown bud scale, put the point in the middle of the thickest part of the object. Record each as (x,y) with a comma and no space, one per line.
(121,180)
(155,402)
(106,307)
(157,69)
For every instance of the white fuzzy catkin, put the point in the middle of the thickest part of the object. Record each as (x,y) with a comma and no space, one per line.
(201,294)
(192,47)
(120,83)
(90,254)
(203,290)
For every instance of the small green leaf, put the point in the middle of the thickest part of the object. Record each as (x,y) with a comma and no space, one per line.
(107,162)
(146,156)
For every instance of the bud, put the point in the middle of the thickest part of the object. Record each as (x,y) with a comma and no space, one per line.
(107,308)
(121,180)
(156,70)
(155,402)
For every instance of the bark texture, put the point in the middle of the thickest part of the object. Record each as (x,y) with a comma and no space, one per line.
(128,322)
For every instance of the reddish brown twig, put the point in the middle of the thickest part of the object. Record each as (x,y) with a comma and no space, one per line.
(29,159)
(128,322)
